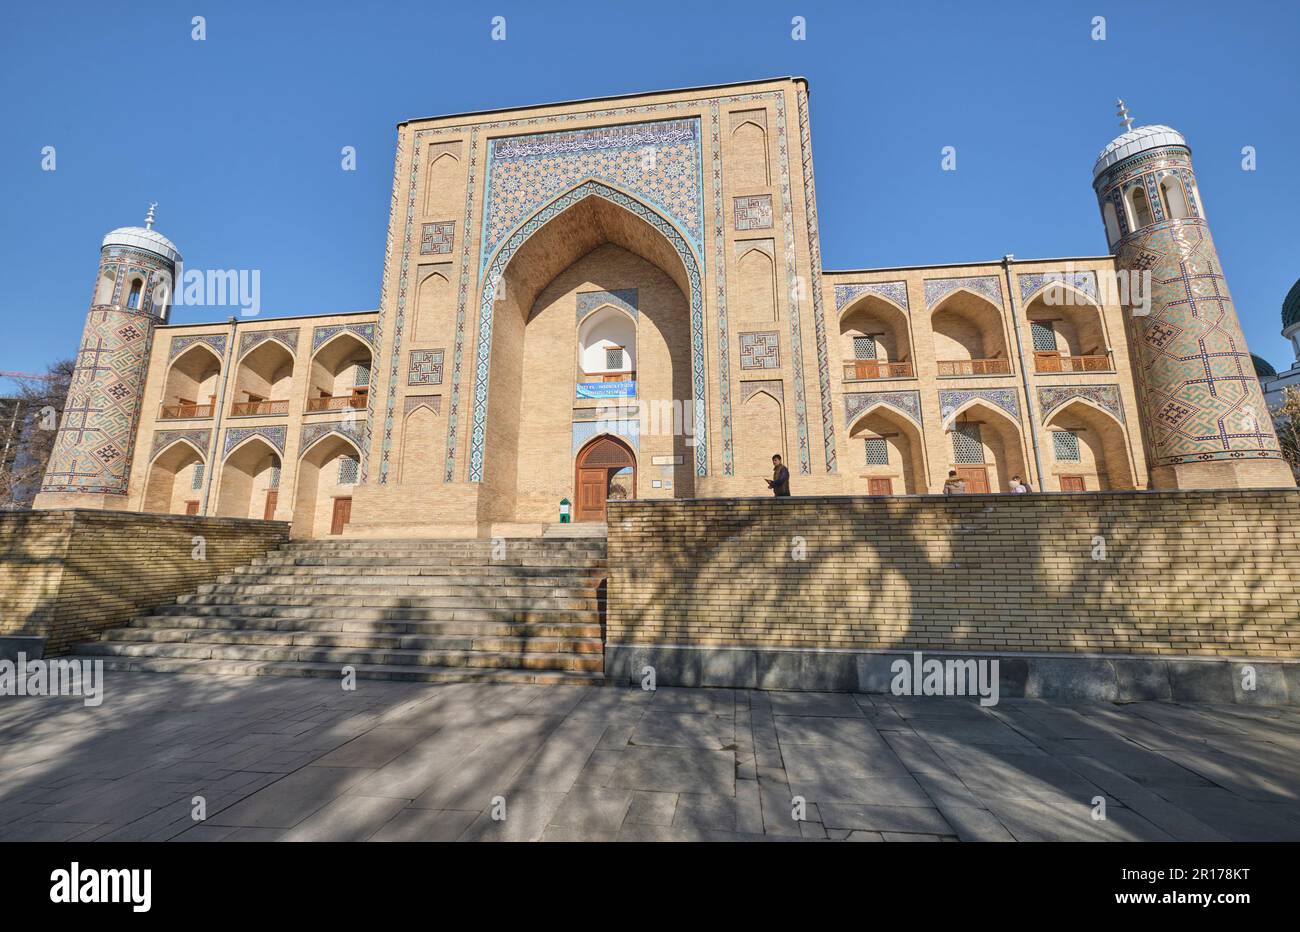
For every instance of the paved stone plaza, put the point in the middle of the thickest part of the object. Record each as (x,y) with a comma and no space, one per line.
(301,759)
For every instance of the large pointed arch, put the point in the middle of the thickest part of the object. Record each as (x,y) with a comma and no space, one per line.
(686,271)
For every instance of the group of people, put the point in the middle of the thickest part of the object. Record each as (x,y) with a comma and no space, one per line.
(780,481)
(955,485)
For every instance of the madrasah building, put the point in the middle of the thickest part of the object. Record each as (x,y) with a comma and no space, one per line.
(658,255)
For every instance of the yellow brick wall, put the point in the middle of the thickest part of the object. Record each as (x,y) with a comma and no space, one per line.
(1183,573)
(68,575)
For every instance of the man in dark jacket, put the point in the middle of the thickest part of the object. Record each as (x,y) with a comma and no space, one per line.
(780,481)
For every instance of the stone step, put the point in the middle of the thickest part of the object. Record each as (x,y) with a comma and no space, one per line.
(479,549)
(371,640)
(494,571)
(404,589)
(363,671)
(348,656)
(292,595)
(345,625)
(407,614)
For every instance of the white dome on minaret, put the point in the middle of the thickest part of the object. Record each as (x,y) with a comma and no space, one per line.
(1135,140)
(145,237)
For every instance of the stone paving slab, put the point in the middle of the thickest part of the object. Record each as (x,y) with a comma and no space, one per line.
(301,759)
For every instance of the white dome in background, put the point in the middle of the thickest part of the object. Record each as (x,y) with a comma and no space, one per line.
(1134,141)
(145,237)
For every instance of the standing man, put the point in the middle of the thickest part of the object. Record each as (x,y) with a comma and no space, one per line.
(780,481)
(953,485)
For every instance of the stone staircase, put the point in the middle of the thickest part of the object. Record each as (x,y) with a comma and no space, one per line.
(421,610)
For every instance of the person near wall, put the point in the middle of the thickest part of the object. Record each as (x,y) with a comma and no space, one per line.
(1017,486)
(954,485)
(780,481)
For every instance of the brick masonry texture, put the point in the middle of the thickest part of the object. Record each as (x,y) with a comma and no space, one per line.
(67,575)
(1185,573)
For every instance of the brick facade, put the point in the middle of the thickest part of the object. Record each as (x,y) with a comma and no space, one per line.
(68,575)
(1184,573)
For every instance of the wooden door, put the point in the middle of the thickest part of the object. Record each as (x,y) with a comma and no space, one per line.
(342,515)
(975,477)
(1072,484)
(882,486)
(593,486)
(272,496)
(191,508)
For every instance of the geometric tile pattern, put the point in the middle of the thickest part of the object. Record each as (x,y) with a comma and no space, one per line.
(1085,282)
(773,387)
(907,403)
(165,438)
(425,367)
(1065,446)
(289,337)
(1004,398)
(623,298)
(495,272)
(720,297)
(411,402)
(1105,397)
(321,334)
(967,445)
(215,340)
(989,286)
(760,350)
(275,436)
(350,428)
(753,213)
(815,257)
(658,162)
(895,292)
(92,450)
(795,288)
(436,238)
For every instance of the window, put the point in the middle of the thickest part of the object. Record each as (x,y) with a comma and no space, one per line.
(877,451)
(1140,207)
(362,377)
(1065,443)
(197,481)
(967,446)
(275,477)
(348,466)
(133,299)
(864,347)
(1112,223)
(1175,198)
(614,357)
(1044,336)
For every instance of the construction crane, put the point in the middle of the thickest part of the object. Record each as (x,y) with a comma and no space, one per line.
(26,375)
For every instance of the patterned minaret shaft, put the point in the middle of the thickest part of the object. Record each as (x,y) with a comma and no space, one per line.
(1206,422)
(91,462)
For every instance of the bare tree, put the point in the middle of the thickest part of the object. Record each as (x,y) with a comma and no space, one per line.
(31,420)
(1286,421)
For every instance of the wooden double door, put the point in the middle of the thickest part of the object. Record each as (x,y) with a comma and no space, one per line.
(975,477)
(604,469)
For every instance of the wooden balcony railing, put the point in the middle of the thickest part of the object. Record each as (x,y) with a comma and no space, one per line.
(336,402)
(1047,363)
(245,408)
(855,369)
(179,411)
(974,367)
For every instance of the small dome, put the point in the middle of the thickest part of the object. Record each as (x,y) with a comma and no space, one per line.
(1291,307)
(1262,367)
(1135,141)
(143,238)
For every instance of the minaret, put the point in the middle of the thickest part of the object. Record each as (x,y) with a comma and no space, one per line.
(1206,424)
(91,461)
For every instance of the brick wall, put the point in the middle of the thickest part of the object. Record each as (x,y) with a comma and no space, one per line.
(67,575)
(1208,573)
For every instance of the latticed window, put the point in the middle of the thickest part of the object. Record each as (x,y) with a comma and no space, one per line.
(1044,336)
(864,347)
(348,466)
(275,477)
(877,452)
(197,481)
(967,447)
(363,375)
(1066,445)
(614,357)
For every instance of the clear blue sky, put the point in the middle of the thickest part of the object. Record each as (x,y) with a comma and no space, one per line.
(238,136)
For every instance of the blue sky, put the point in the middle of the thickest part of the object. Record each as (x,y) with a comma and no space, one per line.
(238,136)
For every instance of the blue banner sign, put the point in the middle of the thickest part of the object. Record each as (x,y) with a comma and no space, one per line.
(625,389)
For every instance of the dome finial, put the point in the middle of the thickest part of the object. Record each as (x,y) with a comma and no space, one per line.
(148,218)
(1125,120)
